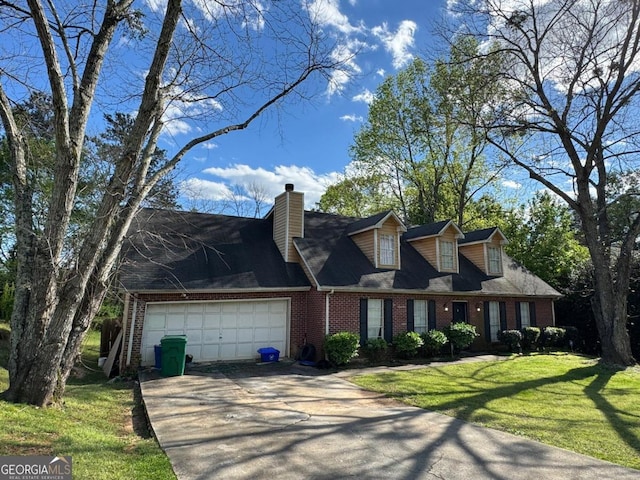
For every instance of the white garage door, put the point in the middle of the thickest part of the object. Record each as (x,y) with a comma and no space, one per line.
(217,330)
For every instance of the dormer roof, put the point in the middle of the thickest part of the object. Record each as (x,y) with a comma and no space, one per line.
(484,236)
(431,230)
(374,221)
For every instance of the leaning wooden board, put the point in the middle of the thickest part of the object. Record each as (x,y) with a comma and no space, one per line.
(108,365)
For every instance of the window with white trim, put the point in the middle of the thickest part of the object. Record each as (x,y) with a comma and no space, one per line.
(375,318)
(420,316)
(495,261)
(525,319)
(387,250)
(446,255)
(494,320)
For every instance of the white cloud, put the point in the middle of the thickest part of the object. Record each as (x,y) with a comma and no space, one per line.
(326,13)
(398,43)
(381,72)
(344,53)
(365,96)
(184,107)
(197,188)
(351,118)
(209,145)
(511,184)
(312,184)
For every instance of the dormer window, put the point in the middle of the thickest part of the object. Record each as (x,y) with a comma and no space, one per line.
(447,259)
(387,250)
(495,261)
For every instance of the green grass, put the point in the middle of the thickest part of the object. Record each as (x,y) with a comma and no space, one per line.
(564,400)
(95,426)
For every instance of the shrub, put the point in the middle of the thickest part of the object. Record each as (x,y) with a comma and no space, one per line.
(512,339)
(433,340)
(530,337)
(460,335)
(341,347)
(375,349)
(552,337)
(572,338)
(406,344)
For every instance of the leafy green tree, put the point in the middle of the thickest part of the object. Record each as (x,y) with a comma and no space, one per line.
(568,117)
(356,196)
(543,237)
(420,147)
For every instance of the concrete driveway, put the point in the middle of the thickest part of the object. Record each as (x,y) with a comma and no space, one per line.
(284,421)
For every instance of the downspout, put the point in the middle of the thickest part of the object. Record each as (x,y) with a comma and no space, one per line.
(326,311)
(133,326)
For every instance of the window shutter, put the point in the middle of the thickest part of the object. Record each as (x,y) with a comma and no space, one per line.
(431,315)
(388,319)
(532,314)
(363,321)
(410,321)
(518,317)
(503,316)
(487,323)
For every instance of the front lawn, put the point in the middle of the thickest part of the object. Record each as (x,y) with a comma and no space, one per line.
(96,425)
(564,400)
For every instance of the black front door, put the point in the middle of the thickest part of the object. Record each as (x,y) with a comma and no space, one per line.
(459,312)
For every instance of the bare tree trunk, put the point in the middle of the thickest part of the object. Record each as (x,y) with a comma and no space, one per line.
(58,289)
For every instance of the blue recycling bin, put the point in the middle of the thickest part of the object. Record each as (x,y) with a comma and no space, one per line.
(269,354)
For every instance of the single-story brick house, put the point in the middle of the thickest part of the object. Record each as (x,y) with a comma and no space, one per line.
(234,285)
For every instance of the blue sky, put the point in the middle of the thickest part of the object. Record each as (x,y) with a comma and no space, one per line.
(308,143)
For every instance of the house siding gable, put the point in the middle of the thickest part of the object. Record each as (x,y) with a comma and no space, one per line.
(427,248)
(366,242)
(476,254)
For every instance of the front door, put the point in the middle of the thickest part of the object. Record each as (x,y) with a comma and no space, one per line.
(459,312)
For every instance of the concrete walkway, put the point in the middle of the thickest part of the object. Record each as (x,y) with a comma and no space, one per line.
(285,421)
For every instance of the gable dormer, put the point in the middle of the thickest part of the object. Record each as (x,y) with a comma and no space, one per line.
(378,237)
(484,248)
(438,244)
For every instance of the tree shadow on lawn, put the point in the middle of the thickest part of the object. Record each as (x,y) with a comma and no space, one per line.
(477,397)
(614,416)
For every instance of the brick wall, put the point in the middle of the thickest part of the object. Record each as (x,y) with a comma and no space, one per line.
(307,322)
(344,312)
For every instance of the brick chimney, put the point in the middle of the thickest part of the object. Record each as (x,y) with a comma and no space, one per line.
(288,221)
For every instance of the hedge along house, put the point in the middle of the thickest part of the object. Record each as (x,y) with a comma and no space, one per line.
(234,285)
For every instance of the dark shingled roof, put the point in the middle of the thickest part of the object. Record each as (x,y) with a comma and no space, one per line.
(478,235)
(425,230)
(336,261)
(168,250)
(364,223)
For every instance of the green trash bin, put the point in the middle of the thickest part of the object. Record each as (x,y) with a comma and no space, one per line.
(174,349)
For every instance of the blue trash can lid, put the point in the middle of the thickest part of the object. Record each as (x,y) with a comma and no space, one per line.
(268,350)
